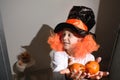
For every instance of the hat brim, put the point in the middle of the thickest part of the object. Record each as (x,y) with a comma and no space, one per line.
(64,25)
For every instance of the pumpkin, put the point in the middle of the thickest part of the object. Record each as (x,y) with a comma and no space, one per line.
(76,67)
(92,67)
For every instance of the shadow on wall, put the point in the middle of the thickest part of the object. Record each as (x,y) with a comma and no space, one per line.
(39,48)
(39,51)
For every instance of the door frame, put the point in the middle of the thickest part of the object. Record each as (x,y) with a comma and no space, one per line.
(5,70)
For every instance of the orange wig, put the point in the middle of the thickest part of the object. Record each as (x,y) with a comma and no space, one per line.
(80,49)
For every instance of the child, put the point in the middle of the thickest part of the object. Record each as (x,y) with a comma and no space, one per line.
(72,42)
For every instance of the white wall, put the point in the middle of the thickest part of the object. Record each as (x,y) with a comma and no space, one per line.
(22,19)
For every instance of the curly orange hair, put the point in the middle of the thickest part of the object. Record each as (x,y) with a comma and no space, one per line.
(80,49)
(55,42)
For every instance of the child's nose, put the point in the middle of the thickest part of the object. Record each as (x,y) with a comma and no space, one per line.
(65,37)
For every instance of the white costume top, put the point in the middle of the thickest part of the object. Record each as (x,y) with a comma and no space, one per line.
(59,60)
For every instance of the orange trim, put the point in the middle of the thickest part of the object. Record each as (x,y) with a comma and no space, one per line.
(77,23)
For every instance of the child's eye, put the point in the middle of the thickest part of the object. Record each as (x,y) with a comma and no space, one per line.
(69,35)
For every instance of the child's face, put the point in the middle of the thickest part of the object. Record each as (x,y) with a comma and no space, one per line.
(69,38)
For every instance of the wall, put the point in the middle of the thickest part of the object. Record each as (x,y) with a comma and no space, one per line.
(107,26)
(22,19)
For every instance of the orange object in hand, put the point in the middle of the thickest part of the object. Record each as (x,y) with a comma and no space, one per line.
(76,67)
(92,67)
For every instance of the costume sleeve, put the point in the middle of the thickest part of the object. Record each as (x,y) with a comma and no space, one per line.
(89,57)
(59,61)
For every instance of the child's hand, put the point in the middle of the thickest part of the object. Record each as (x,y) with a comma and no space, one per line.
(98,75)
(74,75)
(75,71)
(80,74)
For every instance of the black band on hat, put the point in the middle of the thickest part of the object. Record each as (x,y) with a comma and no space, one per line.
(63,25)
